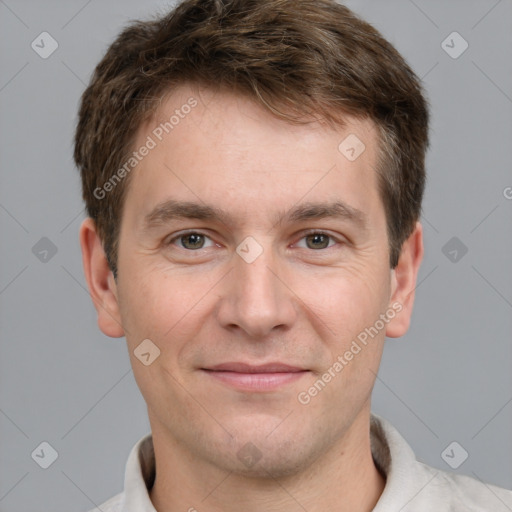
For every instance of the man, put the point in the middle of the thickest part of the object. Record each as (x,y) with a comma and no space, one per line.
(253,173)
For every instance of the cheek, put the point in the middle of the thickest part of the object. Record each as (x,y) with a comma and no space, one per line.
(167,309)
(350,305)
(347,299)
(168,312)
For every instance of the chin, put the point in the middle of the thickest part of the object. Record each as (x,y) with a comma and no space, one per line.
(272,454)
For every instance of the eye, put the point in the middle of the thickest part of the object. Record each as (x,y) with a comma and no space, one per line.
(191,241)
(317,240)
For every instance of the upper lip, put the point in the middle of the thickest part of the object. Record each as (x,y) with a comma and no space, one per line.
(251,368)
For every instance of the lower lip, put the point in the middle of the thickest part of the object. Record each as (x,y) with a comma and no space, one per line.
(256,381)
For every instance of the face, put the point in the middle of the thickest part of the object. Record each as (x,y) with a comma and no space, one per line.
(253,253)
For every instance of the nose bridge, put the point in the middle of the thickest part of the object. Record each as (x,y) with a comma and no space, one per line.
(256,281)
(256,299)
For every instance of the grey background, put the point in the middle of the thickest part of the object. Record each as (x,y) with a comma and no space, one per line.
(64,382)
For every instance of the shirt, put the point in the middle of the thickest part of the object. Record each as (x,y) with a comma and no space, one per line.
(411,486)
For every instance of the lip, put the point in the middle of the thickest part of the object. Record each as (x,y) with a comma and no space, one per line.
(273,367)
(247,377)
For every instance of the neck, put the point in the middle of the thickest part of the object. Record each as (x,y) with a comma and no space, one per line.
(343,479)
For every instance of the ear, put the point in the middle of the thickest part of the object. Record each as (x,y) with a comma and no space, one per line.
(403,283)
(100,280)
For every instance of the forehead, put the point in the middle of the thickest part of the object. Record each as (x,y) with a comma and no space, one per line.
(216,147)
(219,114)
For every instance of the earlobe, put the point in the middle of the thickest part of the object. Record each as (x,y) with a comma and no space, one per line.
(403,282)
(101,283)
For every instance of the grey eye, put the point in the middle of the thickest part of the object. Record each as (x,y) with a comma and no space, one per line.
(192,241)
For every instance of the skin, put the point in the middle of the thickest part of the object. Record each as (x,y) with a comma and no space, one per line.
(299,303)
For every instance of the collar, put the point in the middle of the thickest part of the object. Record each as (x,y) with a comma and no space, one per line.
(392,455)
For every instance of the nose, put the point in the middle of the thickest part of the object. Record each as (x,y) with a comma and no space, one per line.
(255,298)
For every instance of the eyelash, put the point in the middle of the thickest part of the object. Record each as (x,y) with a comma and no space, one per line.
(304,235)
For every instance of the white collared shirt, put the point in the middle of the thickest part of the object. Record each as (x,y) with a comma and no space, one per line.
(411,486)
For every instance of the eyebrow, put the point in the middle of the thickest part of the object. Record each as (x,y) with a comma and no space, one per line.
(170,210)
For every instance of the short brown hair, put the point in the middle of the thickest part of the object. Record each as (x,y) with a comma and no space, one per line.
(301,59)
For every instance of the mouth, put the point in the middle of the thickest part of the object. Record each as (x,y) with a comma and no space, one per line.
(247,377)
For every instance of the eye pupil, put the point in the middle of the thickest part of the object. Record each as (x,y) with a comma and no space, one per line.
(319,241)
(197,240)
(192,241)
